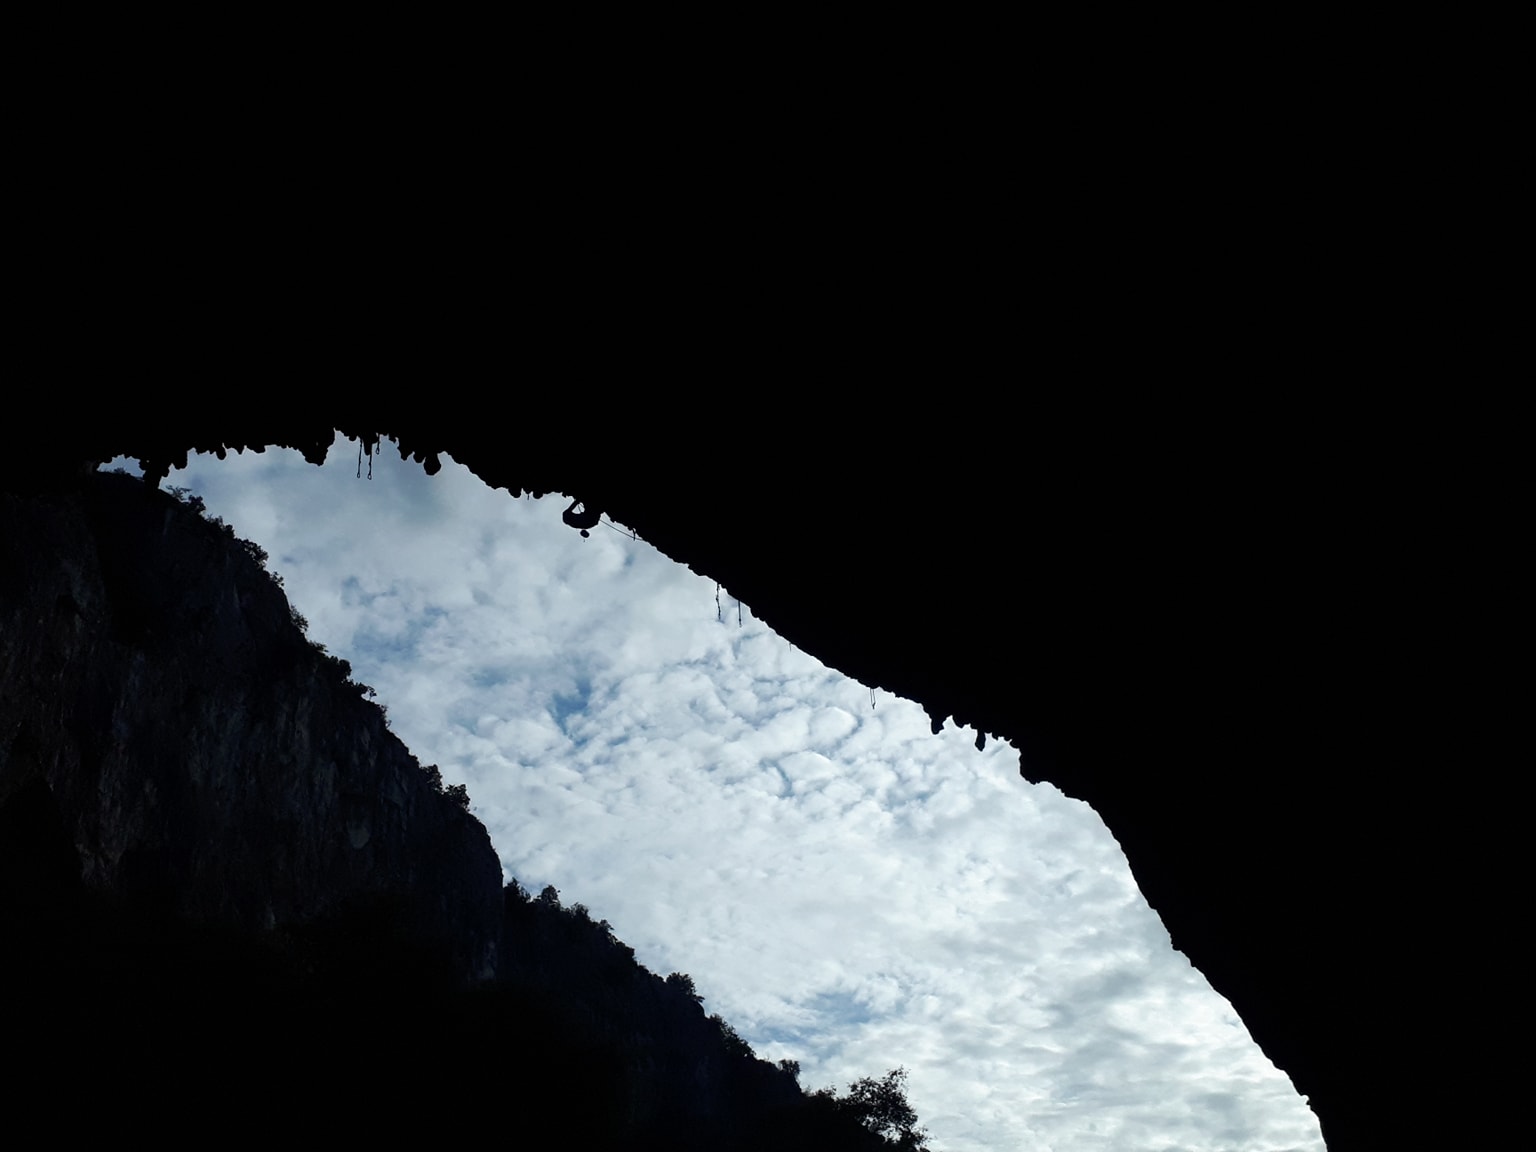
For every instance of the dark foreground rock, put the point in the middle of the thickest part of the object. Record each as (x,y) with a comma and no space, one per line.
(232,902)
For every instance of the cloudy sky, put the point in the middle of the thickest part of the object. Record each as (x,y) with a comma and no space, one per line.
(845,888)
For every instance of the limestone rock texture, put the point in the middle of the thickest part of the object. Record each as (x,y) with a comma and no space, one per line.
(230,895)
(201,759)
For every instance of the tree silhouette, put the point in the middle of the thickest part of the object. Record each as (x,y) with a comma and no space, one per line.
(881,1106)
(684,984)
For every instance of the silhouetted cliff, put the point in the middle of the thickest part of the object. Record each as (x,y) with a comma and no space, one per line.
(207,761)
(224,884)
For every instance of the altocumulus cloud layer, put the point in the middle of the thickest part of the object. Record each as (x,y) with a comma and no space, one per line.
(847,889)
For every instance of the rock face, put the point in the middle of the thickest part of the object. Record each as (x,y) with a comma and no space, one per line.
(199,758)
(227,890)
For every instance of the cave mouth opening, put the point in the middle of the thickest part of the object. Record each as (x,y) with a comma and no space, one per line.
(848,889)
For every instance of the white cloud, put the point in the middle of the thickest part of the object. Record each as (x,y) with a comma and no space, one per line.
(846,888)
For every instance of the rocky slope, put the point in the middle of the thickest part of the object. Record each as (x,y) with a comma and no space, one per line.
(226,889)
(205,760)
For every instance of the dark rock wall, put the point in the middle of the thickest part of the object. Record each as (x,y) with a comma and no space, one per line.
(204,760)
(228,891)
